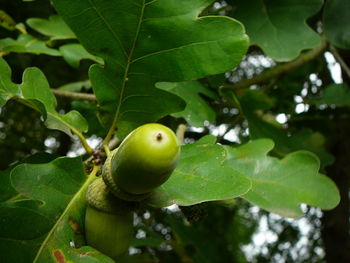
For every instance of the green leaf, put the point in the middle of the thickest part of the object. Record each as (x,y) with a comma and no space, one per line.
(6,189)
(54,27)
(24,224)
(143,42)
(35,92)
(26,43)
(74,53)
(336,22)
(278,27)
(334,94)
(7,88)
(7,192)
(7,21)
(280,186)
(200,176)
(197,110)
(287,142)
(18,237)
(48,226)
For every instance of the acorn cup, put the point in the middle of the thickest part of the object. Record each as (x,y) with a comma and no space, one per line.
(145,160)
(108,221)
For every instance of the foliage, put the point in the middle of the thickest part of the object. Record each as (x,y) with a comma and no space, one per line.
(93,71)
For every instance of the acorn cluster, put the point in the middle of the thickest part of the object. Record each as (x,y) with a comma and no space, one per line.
(144,160)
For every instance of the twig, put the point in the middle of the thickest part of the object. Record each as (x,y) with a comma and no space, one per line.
(83,141)
(74,95)
(180,133)
(341,61)
(113,143)
(283,68)
(106,148)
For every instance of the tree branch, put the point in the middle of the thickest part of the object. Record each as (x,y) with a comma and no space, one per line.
(180,133)
(341,61)
(283,68)
(74,95)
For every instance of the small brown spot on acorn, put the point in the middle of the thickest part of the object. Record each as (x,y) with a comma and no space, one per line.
(159,137)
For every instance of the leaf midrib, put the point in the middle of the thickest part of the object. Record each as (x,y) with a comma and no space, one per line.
(125,76)
(93,6)
(70,204)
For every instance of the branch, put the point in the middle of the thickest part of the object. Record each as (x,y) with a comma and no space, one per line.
(180,133)
(341,61)
(283,68)
(74,95)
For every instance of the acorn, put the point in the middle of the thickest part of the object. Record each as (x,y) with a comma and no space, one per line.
(108,221)
(144,160)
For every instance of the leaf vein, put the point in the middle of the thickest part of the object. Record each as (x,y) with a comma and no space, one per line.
(173,49)
(93,6)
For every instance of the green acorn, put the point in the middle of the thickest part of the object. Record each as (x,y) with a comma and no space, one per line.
(108,221)
(145,159)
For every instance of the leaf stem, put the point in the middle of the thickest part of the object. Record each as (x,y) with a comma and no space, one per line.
(106,148)
(82,140)
(180,133)
(74,95)
(283,68)
(110,133)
